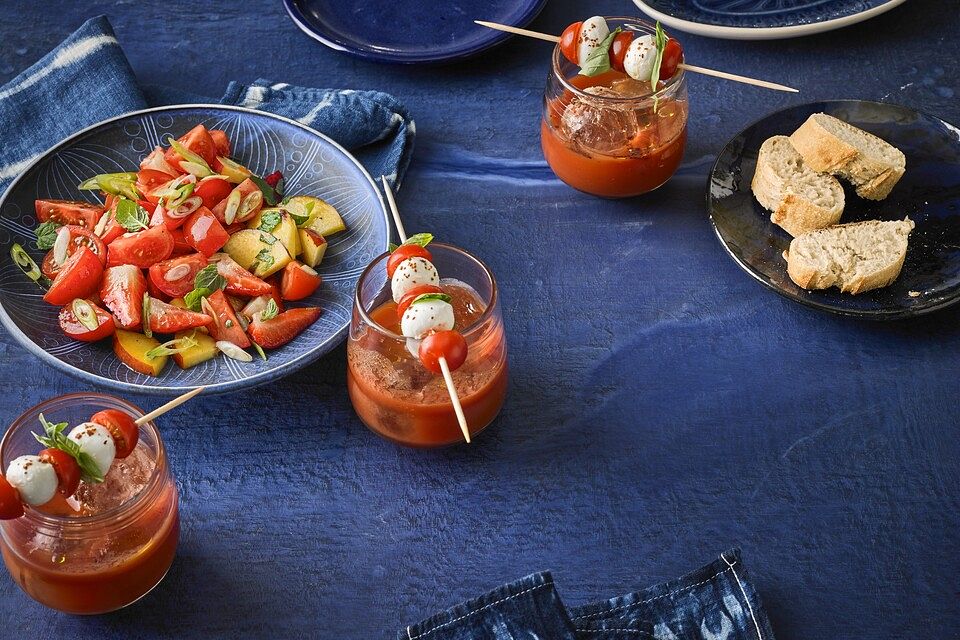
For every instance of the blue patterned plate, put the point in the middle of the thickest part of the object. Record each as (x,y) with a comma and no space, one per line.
(929,192)
(409,31)
(761,19)
(313,165)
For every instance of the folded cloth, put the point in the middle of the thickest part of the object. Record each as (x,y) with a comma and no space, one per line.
(87,79)
(715,602)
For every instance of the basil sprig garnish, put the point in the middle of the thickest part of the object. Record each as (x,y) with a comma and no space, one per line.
(54,438)
(660,40)
(599,59)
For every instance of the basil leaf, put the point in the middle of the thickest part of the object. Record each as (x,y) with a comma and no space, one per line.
(270,195)
(393,247)
(421,239)
(599,59)
(270,311)
(209,278)
(429,297)
(46,234)
(269,221)
(660,40)
(192,299)
(131,216)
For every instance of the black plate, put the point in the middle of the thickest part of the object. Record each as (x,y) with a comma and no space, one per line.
(929,192)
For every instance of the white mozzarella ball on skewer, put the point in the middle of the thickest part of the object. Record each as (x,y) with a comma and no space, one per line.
(592,32)
(640,57)
(34,479)
(95,440)
(427,316)
(410,273)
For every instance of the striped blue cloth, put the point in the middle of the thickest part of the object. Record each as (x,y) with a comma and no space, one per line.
(88,79)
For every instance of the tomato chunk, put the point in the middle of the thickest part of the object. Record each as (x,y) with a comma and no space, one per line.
(141,249)
(122,292)
(283,328)
(78,278)
(225,325)
(78,331)
(221,141)
(299,281)
(175,276)
(212,191)
(81,214)
(79,237)
(160,216)
(197,140)
(203,232)
(121,426)
(166,318)
(180,246)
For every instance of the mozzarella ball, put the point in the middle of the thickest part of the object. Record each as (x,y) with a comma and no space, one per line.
(640,57)
(592,33)
(34,479)
(95,441)
(411,273)
(421,318)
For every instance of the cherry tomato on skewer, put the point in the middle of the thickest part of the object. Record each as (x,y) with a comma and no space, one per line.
(121,426)
(412,294)
(672,55)
(568,42)
(11,506)
(67,469)
(618,49)
(443,344)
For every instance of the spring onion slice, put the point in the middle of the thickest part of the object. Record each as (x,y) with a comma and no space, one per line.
(85,314)
(233,351)
(23,260)
(171,347)
(187,155)
(146,316)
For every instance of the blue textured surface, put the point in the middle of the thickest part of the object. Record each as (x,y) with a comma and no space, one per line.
(762,13)
(663,407)
(261,141)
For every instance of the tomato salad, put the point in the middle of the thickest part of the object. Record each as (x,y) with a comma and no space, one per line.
(193,247)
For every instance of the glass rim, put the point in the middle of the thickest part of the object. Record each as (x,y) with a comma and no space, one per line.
(668,85)
(129,506)
(471,328)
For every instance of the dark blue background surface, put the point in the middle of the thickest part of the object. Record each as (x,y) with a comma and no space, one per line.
(664,406)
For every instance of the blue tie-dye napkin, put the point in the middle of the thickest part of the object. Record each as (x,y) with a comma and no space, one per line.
(88,79)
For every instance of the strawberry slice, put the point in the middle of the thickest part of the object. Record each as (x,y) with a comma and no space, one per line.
(283,328)
(122,290)
(166,318)
(240,282)
(225,325)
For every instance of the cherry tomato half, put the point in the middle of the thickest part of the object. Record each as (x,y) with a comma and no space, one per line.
(618,49)
(78,278)
(79,237)
(212,191)
(568,42)
(122,427)
(10,504)
(68,471)
(299,281)
(672,55)
(141,249)
(443,344)
(78,331)
(404,252)
(412,294)
(82,214)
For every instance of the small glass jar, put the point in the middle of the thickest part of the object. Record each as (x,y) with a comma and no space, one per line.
(608,135)
(89,564)
(391,391)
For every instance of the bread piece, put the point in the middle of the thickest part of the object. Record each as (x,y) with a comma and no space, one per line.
(799,198)
(830,145)
(855,257)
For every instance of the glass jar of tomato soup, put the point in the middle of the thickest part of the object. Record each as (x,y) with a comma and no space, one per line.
(609,135)
(391,391)
(110,543)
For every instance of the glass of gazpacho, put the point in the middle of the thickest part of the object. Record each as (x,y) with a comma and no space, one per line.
(109,543)
(609,134)
(392,391)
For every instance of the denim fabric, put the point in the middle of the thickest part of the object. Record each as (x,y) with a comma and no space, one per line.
(715,602)
(87,79)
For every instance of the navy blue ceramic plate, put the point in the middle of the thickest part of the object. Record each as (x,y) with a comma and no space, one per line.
(929,192)
(313,165)
(409,31)
(762,19)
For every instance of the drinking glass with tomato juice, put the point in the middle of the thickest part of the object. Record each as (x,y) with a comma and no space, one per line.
(608,134)
(392,392)
(110,543)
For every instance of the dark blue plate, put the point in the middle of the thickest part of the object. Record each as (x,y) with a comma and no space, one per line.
(313,165)
(409,31)
(929,192)
(762,19)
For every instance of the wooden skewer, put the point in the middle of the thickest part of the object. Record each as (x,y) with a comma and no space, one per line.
(444,367)
(686,67)
(162,409)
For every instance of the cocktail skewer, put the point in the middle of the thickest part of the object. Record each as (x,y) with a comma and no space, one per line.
(686,67)
(444,367)
(162,409)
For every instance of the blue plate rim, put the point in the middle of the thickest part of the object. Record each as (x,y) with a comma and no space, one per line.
(323,37)
(879,315)
(709,30)
(218,388)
